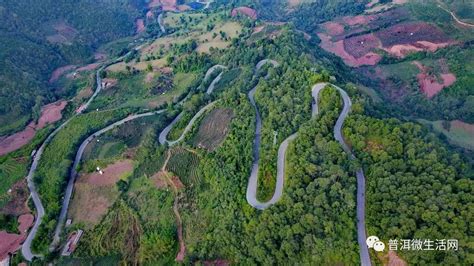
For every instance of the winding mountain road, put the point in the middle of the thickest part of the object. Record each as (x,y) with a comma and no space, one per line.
(73,174)
(164,134)
(251,194)
(26,246)
(80,152)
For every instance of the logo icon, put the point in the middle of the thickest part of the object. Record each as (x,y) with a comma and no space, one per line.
(375,243)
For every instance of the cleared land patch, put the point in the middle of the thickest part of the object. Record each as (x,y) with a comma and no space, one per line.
(50,113)
(95,193)
(213,129)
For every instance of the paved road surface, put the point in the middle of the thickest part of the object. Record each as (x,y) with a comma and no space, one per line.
(252,185)
(211,70)
(361,233)
(73,174)
(160,22)
(26,246)
(164,134)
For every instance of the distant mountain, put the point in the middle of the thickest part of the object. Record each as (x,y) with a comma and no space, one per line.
(38,36)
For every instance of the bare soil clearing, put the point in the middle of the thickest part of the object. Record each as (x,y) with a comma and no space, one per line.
(58,72)
(17,205)
(111,174)
(140,24)
(337,48)
(10,243)
(95,193)
(246,11)
(430,84)
(462,125)
(50,113)
(213,129)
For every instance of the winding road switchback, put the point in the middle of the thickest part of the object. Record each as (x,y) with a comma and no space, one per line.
(361,232)
(251,194)
(73,173)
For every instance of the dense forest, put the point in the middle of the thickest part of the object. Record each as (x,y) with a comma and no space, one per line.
(417,187)
(38,37)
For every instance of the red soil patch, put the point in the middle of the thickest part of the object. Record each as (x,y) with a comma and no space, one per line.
(100,56)
(159,179)
(85,93)
(429,83)
(412,37)
(182,8)
(333,28)
(258,29)
(394,260)
(358,20)
(338,49)
(10,243)
(140,24)
(176,182)
(109,82)
(17,205)
(465,126)
(111,174)
(88,67)
(50,113)
(58,72)
(246,11)
(361,45)
(149,15)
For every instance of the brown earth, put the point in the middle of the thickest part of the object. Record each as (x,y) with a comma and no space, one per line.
(140,24)
(358,20)
(333,28)
(460,124)
(17,205)
(337,48)
(361,45)
(88,67)
(84,94)
(214,128)
(429,83)
(411,33)
(159,179)
(10,243)
(398,40)
(50,113)
(64,33)
(58,72)
(94,194)
(246,11)
(394,260)
(111,174)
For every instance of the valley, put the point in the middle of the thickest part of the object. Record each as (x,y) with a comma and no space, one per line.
(236,133)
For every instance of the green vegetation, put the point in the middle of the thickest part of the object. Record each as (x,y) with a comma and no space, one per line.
(456,135)
(14,166)
(416,187)
(184,164)
(9,223)
(119,233)
(54,166)
(38,37)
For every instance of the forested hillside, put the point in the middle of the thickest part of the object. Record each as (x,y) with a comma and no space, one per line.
(37,37)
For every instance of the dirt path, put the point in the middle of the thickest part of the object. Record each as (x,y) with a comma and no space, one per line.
(460,22)
(179,222)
